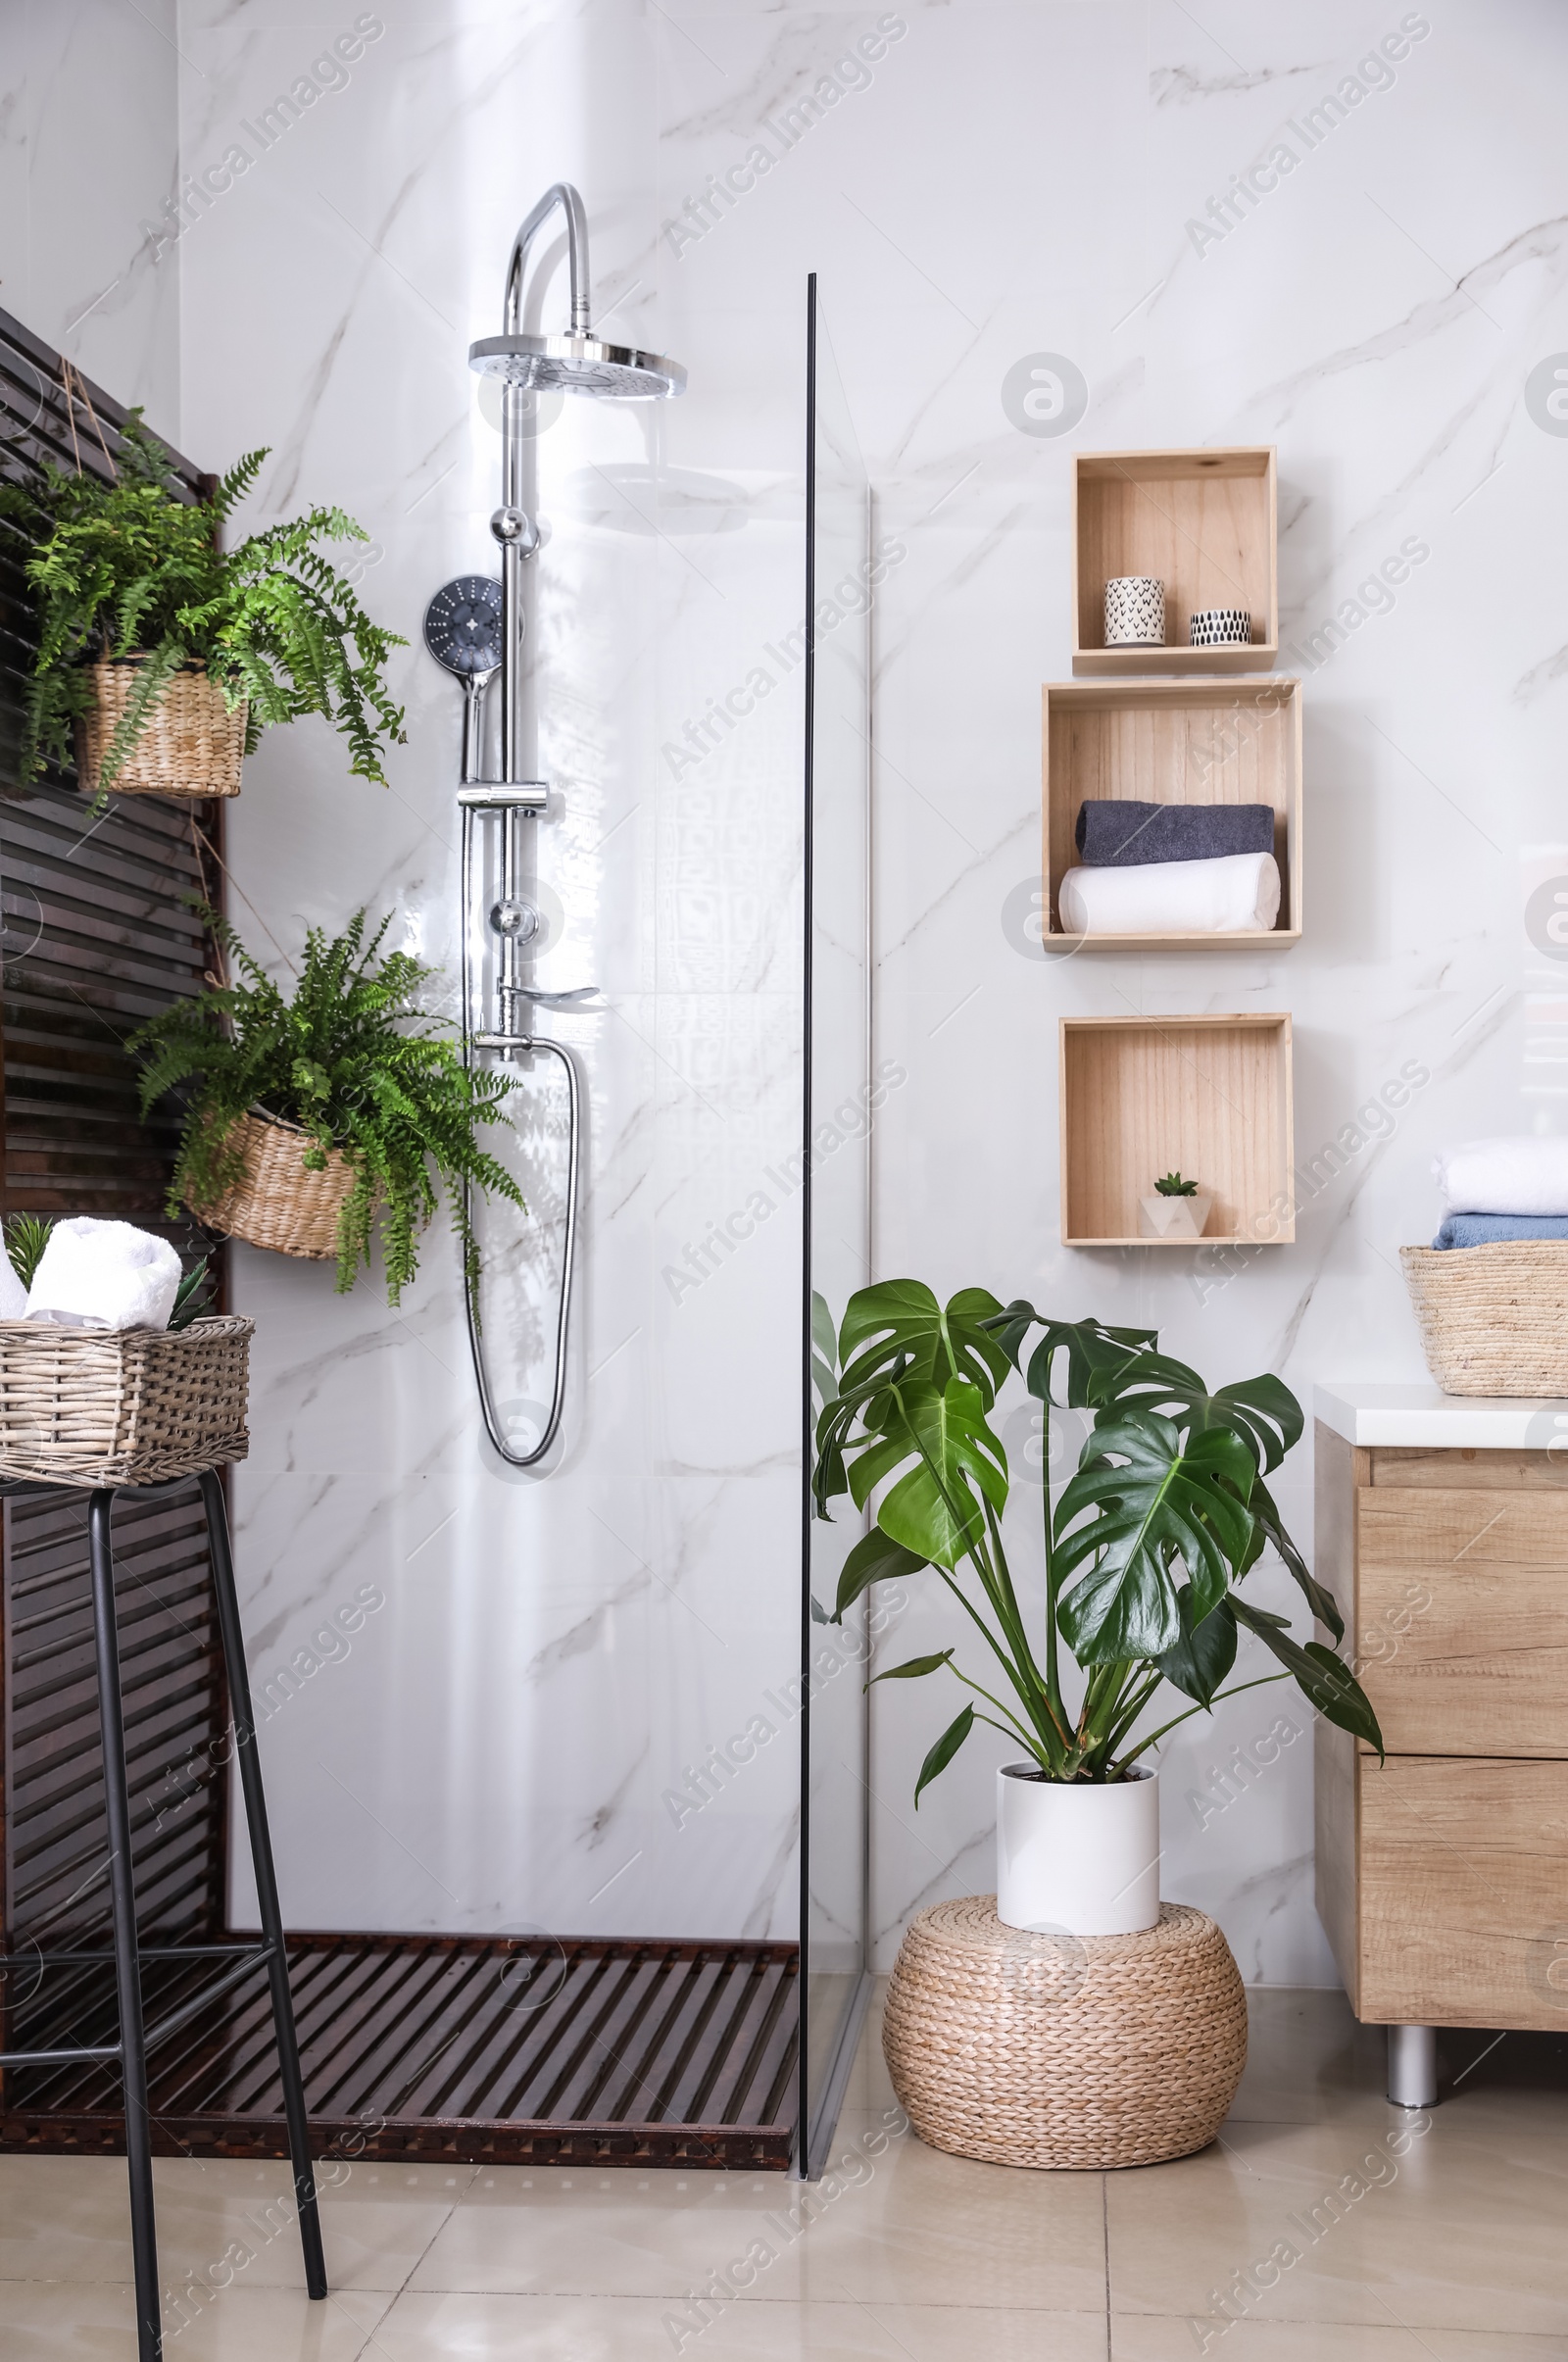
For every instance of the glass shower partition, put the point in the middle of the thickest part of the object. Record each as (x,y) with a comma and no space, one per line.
(835,1902)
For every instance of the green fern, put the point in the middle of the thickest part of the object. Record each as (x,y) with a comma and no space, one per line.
(133,568)
(354,1061)
(26,1235)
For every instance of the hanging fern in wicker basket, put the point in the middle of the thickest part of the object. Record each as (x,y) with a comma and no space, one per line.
(161,657)
(315,1122)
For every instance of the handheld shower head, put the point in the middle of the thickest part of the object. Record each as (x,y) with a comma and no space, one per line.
(578,362)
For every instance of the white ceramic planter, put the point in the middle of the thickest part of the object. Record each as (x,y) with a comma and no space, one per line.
(1174,1217)
(1075,1860)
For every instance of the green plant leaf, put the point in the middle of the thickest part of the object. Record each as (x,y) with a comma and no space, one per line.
(26,1235)
(1326,1681)
(1094,1356)
(1158,1506)
(1200,1660)
(946,1748)
(1325,1608)
(934,1508)
(899,1325)
(914,1669)
(875,1558)
(1261,1412)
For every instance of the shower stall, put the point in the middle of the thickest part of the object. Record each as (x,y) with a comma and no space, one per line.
(469,2038)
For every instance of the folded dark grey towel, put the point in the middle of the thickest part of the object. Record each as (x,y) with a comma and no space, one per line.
(1112,835)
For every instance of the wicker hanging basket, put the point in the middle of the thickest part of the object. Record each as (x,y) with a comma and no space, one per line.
(1064,2052)
(129,1407)
(190,742)
(1493,1321)
(279,1202)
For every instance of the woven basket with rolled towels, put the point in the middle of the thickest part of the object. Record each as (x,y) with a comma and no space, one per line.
(1238,894)
(1491,1293)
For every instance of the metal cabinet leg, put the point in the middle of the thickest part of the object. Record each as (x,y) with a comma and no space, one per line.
(1413,2066)
(250,1774)
(127,1963)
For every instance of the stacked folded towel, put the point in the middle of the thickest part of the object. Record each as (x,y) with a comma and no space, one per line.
(104,1275)
(1111,834)
(1515,1187)
(1171,869)
(1237,893)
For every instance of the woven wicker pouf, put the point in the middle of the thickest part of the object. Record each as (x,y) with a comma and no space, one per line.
(1061,2051)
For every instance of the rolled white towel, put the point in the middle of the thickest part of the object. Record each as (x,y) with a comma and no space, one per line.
(1517,1173)
(13,1295)
(1235,893)
(104,1275)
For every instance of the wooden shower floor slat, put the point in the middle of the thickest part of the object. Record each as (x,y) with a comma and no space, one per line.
(484,2051)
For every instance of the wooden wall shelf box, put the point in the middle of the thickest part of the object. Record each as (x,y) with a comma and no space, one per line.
(1443,1872)
(1172,742)
(1210,1095)
(1204,522)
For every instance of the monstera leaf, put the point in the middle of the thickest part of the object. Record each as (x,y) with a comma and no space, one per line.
(890,1333)
(1329,1685)
(1096,1355)
(1158,1505)
(1203,1657)
(900,1324)
(935,1508)
(875,1558)
(1263,1412)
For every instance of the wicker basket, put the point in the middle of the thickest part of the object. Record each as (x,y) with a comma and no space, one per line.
(1493,1321)
(129,1407)
(280,1202)
(1060,2052)
(190,742)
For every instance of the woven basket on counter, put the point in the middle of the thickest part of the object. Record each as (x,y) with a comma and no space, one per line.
(1493,1321)
(279,1202)
(127,1407)
(1065,2051)
(190,744)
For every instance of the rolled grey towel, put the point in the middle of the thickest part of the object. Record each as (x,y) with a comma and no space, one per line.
(1114,835)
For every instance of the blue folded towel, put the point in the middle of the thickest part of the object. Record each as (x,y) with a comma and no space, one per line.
(1490,1229)
(1113,834)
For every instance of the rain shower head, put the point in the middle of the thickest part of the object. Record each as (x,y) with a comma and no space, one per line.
(579,365)
(578,362)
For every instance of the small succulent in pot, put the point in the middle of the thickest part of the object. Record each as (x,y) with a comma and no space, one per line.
(1173,1186)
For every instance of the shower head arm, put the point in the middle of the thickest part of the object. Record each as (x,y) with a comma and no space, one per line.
(565,196)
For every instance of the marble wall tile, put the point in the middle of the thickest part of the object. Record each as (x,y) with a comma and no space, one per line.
(90,149)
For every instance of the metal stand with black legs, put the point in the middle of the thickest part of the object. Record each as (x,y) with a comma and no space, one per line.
(233,1961)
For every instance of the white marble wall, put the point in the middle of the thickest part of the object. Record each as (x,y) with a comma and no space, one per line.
(996,181)
(1019,179)
(89,143)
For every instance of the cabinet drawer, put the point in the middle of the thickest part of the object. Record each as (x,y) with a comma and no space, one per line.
(1468,1658)
(1418,1525)
(1463,1875)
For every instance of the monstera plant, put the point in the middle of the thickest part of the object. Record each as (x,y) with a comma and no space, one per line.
(1146,1548)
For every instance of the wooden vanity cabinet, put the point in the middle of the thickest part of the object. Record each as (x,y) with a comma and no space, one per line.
(1443,1872)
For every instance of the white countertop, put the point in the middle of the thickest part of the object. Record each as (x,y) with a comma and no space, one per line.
(1425,1418)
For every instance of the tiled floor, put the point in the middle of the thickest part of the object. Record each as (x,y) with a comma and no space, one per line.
(1322,2224)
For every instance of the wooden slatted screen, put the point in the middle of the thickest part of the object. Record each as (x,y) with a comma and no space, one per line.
(96,937)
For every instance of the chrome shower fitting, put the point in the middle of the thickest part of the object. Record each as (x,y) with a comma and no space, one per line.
(475,627)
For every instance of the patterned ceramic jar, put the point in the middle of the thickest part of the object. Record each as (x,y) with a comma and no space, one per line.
(1220,627)
(1135,611)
